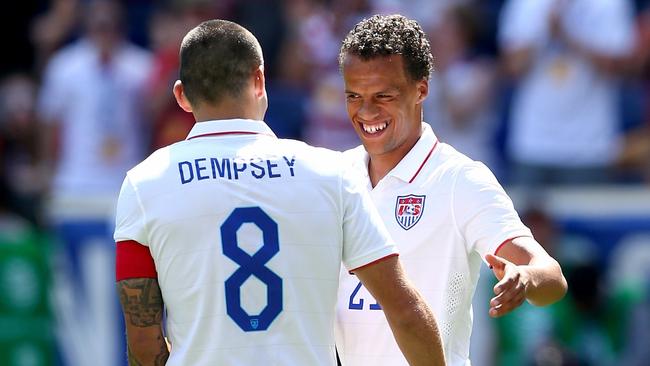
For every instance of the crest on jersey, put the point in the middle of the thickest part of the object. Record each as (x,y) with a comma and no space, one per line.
(408,210)
(255,323)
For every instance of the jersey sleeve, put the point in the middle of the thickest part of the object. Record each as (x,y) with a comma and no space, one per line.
(365,237)
(484,214)
(130,218)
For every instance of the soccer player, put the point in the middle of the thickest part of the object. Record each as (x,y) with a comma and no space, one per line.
(239,235)
(446,212)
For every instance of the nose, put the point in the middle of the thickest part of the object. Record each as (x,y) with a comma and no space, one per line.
(368,110)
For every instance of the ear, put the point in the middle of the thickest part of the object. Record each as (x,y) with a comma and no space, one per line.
(423,90)
(181,99)
(259,82)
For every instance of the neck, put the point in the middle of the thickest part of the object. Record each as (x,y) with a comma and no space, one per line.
(227,109)
(381,164)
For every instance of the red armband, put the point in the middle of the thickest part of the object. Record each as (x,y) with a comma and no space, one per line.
(133,260)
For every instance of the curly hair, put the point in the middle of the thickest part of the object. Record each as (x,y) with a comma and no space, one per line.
(385,35)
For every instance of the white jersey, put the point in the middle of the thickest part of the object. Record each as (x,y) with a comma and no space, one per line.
(445,212)
(247,233)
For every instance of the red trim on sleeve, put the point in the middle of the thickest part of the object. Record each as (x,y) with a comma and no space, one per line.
(505,241)
(373,262)
(133,260)
(424,162)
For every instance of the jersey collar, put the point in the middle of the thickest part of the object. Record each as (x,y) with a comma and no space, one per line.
(411,165)
(229,127)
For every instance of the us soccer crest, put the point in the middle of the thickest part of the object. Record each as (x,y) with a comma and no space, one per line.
(408,210)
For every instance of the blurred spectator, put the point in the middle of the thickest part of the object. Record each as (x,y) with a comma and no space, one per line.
(168,26)
(328,123)
(92,93)
(19,150)
(424,11)
(317,28)
(91,103)
(289,91)
(265,19)
(566,56)
(320,28)
(347,13)
(53,29)
(460,105)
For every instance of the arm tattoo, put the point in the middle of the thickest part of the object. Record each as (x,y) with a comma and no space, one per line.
(141,301)
(161,358)
(133,361)
(142,304)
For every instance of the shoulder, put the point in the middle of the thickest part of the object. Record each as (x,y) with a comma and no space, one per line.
(300,147)
(475,173)
(317,160)
(356,158)
(449,161)
(152,167)
(464,172)
(356,153)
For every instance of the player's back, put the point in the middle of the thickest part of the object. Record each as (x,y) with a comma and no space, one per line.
(246,234)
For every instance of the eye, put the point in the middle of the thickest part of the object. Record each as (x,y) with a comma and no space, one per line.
(352,97)
(385,97)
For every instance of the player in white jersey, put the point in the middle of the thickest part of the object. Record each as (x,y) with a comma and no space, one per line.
(240,235)
(445,211)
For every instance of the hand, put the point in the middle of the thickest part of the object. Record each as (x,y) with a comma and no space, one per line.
(511,290)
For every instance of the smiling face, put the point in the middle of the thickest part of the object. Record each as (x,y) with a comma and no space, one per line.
(384,105)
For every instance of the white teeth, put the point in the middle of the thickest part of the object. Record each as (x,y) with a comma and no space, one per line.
(374,128)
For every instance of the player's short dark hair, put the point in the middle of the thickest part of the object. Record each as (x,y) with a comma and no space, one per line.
(216,59)
(385,35)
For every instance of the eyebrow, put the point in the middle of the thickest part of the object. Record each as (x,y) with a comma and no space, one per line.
(388,90)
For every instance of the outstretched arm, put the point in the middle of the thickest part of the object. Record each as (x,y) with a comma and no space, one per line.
(142,305)
(525,272)
(409,317)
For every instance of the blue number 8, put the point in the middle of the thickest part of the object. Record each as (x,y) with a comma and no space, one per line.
(252,266)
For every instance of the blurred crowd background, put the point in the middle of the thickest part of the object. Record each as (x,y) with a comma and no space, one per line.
(553,95)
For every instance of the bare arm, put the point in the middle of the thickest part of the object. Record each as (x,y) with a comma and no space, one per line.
(525,272)
(409,317)
(142,305)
